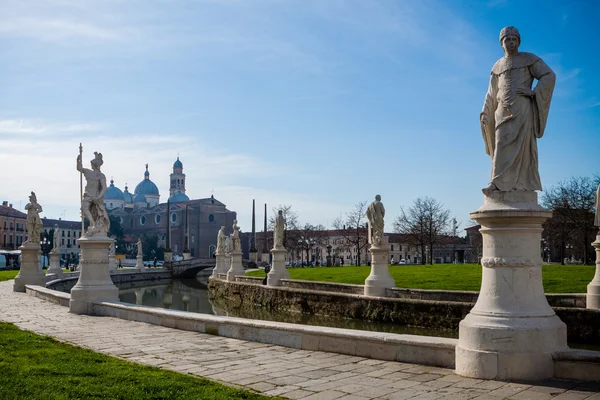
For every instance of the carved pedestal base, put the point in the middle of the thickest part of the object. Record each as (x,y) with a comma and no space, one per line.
(168,256)
(30,272)
(511,332)
(187,255)
(94,282)
(593,289)
(379,279)
(55,268)
(254,257)
(278,270)
(236,267)
(112,263)
(221,266)
(139,264)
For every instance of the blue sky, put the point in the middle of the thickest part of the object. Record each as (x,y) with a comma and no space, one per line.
(315,103)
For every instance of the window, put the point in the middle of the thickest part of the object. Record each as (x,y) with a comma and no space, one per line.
(157,219)
(392,247)
(143,220)
(69,234)
(68,242)
(121,220)
(173,217)
(211,218)
(63,234)
(63,241)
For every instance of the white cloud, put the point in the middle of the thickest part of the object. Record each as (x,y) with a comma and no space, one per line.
(38,127)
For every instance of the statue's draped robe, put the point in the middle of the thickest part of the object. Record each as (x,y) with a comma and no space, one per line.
(516,121)
(375,214)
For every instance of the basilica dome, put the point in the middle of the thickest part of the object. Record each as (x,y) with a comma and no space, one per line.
(178,197)
(140,198)
(177,164)
(128,197)
(114,193)
(146,187)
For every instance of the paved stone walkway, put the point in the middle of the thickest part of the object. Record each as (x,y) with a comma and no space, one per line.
(269,369)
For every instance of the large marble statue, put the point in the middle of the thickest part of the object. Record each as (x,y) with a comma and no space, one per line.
(92,203)
(514,116)
(56,247)
(235,237)
(597,205)
(278,230)
(221,241)
(33,222)
(375,214)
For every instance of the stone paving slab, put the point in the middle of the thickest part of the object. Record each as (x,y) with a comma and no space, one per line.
(269,369)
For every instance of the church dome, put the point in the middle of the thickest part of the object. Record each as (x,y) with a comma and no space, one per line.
(140,198)
(113,193)
(146,187)
(178,197)
(178,164)
(128,197)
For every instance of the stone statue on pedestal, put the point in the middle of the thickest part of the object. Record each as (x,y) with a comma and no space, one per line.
(34,222)
(112,249)
(56,247)
(235,238)
(221,241)
(140,251)
(375,214)
(92,203)
(278,230)
(514,116)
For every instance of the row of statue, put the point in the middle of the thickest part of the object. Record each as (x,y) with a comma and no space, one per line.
(231,243)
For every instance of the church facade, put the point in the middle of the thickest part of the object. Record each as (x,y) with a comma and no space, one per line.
(142,213)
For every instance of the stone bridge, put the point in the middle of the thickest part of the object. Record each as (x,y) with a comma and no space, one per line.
(190,268)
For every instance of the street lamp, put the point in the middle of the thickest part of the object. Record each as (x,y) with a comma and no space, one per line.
(44,250)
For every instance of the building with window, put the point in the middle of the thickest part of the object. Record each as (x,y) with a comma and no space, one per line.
(12,227)
(69,232)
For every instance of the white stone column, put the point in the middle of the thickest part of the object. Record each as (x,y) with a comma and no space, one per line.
(55,265)
(593,289)
(512,331)
(94,282)
(221,265)
(30,272)
(236,267)
(278,270)
(112,263)
(379,279)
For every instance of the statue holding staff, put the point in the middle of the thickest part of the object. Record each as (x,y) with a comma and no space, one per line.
(92,203)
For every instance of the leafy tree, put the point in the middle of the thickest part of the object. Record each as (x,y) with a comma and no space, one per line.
(116,232)
(354,228)
(150,247)
(425,224)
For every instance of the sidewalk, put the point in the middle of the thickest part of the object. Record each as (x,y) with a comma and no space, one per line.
(269,369)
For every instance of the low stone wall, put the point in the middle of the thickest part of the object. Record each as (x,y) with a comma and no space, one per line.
(118,278)
(440,314)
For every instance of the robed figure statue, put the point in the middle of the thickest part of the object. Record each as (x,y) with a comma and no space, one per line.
(375,215)
(33,222)
(279,231)
(514,116)
(92,203)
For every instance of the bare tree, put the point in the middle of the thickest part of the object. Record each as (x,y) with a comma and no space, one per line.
(310,237)
(353,228)
(572,222)
(425,223)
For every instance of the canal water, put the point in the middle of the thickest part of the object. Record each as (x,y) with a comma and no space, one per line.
(192,295)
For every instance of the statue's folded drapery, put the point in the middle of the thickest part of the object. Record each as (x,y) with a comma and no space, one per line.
(515,121)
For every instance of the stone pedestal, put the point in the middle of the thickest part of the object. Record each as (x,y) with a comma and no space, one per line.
(328,258)
(278,270)
(593,289)
(236,267)
(379,279)
(511,332)
(30,272)
(112,263)
(94,282)
(139,264)
(168,256)
(221,266)
(254,257)
(54,267)
(187,255)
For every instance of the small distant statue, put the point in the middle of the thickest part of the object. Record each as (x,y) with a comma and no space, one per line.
(597,218)
(375,214)
(514,116)
(140,251)
(278,230)
(92,203)
(56,247)
(33,222)
(112,249)
(235,237)
(221,241)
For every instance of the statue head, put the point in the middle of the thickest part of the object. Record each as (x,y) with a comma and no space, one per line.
(33,198)
(378,197)
(510,39)
(97,161)
(222,228)
(281,213)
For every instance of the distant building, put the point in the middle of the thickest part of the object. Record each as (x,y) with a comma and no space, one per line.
(69,232)
(12,227)
(142,213)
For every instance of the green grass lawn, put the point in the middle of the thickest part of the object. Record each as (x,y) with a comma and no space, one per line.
(39,367)
(557,278)
(7,275)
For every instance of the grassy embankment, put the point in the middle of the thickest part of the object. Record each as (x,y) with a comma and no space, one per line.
(557,278)
(39,367)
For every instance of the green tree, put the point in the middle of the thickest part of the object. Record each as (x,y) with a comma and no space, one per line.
(116,232)
(151,249)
